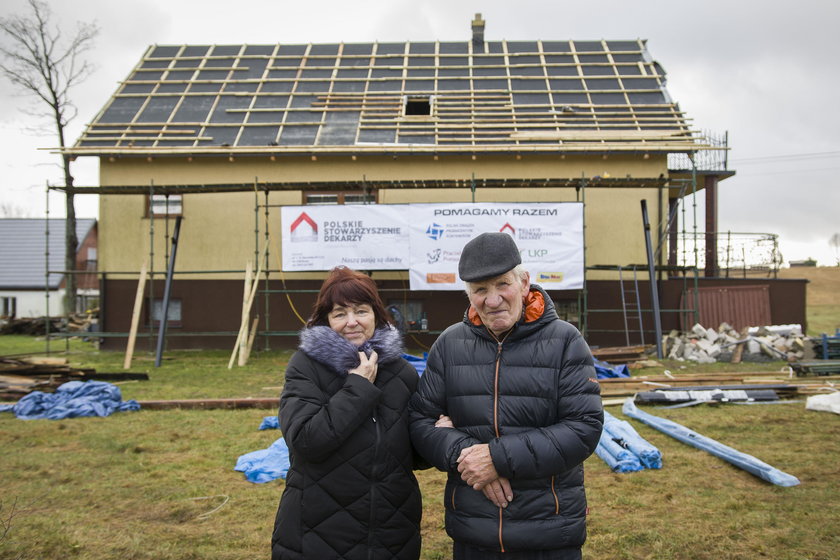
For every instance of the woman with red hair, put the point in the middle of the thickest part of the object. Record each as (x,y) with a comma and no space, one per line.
(350,491)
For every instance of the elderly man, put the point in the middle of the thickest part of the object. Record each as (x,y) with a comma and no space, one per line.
(510,408)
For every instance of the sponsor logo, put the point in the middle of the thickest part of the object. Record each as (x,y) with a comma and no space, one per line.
(434,231)
(440,277)
(510,229)
(535,233)
(530,233)
(434,256)
(304,229)
(549,277)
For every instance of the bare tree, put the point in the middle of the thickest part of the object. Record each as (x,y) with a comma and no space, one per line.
(835,242)
(43,63)
(10,210)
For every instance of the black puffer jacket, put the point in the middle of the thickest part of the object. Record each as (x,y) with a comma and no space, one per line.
(534,399)
(350,491)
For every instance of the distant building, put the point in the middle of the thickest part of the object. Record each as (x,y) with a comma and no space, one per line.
(26,246)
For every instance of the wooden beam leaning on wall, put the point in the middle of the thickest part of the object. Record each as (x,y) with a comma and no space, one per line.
(135,316)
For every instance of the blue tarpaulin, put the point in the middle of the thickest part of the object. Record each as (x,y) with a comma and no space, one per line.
(418,362)
(269,464)
(604,370)
(265,465)
(71,400)
(270,423)
(623,449)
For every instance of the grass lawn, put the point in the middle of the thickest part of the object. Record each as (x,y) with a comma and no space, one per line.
(823,309)
(160,484)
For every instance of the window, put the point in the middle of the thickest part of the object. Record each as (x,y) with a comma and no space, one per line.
(341,197)
(90,262)
(173,315)
(8,307)
(418,106)
(161,205)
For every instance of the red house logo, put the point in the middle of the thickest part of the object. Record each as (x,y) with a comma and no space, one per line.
(510,229)
(304,228)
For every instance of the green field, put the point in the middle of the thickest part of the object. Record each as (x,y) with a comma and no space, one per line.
(161,485)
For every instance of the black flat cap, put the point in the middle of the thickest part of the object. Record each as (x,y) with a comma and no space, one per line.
(487,256)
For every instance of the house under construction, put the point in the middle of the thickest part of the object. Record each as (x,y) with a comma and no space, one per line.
(216,139)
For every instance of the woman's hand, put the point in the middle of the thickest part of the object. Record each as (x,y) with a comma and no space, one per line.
(367,367)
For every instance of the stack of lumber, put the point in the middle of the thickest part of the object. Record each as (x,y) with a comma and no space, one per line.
(20,376)
(620,354)
(33,326)
(37,326)
(628,386)
(81,321)
(817,367)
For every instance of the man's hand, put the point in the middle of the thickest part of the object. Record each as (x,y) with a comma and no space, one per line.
(444,421)
(498,491)
(476,466)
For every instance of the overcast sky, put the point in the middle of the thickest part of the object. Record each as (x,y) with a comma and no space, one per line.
(765,72)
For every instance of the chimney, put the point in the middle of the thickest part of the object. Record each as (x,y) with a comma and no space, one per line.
(478,32)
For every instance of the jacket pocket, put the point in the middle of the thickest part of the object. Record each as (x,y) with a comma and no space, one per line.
(449,495)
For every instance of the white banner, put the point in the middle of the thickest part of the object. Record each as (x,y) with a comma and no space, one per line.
(427,239)
(364,237)
(549,236)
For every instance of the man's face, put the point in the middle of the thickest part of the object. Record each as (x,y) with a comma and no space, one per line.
(499,300)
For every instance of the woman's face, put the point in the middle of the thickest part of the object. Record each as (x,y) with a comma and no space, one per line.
(355,321)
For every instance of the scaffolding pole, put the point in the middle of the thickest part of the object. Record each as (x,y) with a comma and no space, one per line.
(166,292)
(654,291)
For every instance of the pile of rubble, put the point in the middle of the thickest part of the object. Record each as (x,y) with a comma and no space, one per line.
(725,344)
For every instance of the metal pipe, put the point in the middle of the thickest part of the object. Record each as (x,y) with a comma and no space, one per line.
(151,212)
(654,292)
(266,301)
(47,271)
(166,291)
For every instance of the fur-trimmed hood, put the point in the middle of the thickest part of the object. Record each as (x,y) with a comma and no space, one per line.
(326,346)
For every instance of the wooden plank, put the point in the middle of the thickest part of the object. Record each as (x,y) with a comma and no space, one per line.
(44,361)
(210,404)
(246,311)
(739,348)
(135,316)
(244,325)
(243,358)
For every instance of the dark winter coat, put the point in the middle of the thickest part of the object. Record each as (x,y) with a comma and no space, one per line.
(350,491)
(534,399)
